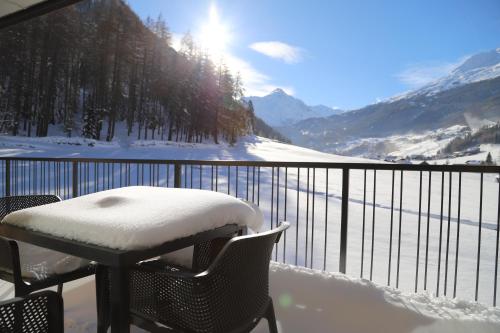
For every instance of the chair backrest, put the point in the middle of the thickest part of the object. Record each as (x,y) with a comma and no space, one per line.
(9,254)
(38,312)
(239,278)
(13,203)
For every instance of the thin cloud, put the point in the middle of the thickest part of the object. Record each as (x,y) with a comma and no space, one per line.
(279,50)
(255,82)
(418,75)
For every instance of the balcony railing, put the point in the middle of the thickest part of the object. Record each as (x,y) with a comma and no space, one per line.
(414,227)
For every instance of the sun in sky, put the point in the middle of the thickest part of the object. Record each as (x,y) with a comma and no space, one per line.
(214,35)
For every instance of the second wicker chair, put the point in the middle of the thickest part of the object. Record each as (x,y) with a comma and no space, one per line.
(231,295)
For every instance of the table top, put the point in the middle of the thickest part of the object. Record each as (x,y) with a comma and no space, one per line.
(134,218)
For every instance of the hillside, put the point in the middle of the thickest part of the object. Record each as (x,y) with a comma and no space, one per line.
(251,148)
(485,135)
(91,66)
(260,128)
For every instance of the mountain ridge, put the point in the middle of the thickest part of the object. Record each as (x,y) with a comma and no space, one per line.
(280,109)
(468,96)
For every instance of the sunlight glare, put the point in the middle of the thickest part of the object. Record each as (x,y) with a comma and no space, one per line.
(214,35)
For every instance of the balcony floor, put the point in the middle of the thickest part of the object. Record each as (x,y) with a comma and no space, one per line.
(311,301)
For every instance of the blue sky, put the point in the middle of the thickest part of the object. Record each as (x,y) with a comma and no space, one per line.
(343,54)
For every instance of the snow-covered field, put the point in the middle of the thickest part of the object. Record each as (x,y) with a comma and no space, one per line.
(319,214)
(426,144)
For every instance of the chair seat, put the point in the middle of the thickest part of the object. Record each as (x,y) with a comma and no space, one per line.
(164,266)
(38,263)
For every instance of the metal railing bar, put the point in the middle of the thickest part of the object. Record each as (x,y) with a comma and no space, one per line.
(330,165)
(399,229)
(391,228)
(440,236)
(284,211)
(326,219)
(297,218)
(458,231)
(344,220)
(313,216)
(495,283)
(237,181)
(418,231)
(307,218)
(448,234)
(479,236)
(253,184)
(363,225)
(373,222)
(248,180)
(277,205)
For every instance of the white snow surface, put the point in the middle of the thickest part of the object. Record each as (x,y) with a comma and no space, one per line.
(308,300)
(313,301)
(137,217)
(333,302)
(250,148)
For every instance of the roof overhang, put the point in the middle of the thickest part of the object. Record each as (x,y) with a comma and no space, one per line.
(15,11)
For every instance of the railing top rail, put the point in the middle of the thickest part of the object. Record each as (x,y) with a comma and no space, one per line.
(323,165)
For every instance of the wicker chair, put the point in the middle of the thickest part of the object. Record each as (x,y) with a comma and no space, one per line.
(232,295)
(40,312)
(10,263)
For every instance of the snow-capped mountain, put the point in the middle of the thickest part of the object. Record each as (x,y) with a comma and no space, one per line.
(280,109)
(468,96)
(479,67)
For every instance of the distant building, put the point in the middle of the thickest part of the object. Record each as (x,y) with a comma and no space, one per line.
(473,162)
(403,161)
(390,158)
(473,150)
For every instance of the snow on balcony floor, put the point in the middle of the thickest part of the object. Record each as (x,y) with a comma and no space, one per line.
(312,301)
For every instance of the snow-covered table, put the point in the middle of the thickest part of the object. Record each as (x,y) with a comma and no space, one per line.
(120,227)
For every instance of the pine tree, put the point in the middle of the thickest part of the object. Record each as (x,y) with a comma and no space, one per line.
(251,113)
(489,159)
(90,126)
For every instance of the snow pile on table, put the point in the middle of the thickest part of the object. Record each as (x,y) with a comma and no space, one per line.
(137,217)
(313,301)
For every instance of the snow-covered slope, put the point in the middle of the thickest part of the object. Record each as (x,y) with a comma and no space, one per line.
(250,148)
(280,109)
(423,145)
(479,67)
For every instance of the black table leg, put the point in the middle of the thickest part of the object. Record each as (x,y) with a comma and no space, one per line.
(119,298)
